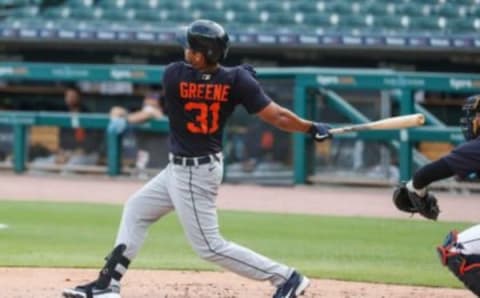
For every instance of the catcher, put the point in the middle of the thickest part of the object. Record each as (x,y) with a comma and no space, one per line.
(460,252)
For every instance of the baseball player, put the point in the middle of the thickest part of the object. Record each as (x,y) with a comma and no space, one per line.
(460,252)
(200,95)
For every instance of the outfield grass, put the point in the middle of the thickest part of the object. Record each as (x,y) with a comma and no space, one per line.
(353,248)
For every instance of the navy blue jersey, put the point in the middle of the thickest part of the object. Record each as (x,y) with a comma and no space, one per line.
(465,159)
(199,104)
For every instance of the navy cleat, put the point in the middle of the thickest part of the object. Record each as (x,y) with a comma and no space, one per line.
(295,286)
(92,290)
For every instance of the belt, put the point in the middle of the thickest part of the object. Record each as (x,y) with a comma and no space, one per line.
(194,161)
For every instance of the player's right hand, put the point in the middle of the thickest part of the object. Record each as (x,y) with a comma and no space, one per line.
(320,131)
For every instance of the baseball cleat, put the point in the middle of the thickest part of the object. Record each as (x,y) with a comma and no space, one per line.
(91,291)
(295,286)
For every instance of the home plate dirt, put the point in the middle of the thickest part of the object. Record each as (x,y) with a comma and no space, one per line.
(48,283)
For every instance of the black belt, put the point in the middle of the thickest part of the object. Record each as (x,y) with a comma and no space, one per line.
(193,161)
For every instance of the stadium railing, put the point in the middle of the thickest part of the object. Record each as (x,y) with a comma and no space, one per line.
(305,80)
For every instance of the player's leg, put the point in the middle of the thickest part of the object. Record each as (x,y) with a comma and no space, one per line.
(460,252)
(142,209)
(194,191)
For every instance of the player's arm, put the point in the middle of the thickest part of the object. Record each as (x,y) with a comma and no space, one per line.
(283,118)
(434,171)
(145,114)
(120,119)
(257,102)
(286,120)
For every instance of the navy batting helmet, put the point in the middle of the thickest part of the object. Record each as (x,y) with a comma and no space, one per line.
(208,38)
(468,122)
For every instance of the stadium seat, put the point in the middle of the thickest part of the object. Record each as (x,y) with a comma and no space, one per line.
(25,23)
(169,5)
(425,24)
(56,13)
(202,5)
(112,4)
(269,6)
(447,10)
(317,20)
(465,25)
(14,3)
(247,18)
(466,2)
(72,24)
(304,6)
(148,15)
(216,16)
(431,2)
(392,24)
(474,11)
(119,14)
(24,12)
(339,7)
(411,9)
(355,22)
(86,13)
(388,16)
(236,6)
(79,3)
(280,18)
(180,16)
(378,9)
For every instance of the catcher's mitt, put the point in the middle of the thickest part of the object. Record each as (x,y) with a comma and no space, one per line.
(408,201)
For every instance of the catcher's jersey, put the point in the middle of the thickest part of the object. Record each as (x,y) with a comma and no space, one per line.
(199,104)
(465,159)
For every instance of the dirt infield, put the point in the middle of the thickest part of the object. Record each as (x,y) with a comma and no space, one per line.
(173,284)
(44,282)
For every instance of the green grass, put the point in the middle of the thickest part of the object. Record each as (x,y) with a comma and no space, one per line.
(359,249)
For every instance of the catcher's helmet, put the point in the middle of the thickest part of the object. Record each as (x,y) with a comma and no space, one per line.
(208,38)
(468,122)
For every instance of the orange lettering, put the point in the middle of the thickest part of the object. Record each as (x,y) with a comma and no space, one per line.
(200,90)
(209,92)
(192,88)
(225,91)
(183,90)
(217,92)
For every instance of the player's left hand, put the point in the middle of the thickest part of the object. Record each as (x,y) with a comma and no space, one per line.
(408,201)
(320,131)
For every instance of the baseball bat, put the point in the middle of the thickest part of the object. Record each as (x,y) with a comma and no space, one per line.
(387,123)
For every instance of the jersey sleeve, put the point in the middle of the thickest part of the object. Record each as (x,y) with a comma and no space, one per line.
(166,79)
(251,95)
(465,159)
(167,73)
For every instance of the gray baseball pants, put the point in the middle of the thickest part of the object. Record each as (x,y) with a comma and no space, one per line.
(191,191)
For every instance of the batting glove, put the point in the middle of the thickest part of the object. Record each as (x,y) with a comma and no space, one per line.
(320,131)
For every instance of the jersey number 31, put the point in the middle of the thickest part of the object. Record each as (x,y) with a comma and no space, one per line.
(201,124)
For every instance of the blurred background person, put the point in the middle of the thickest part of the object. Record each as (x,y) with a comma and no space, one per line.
(77,146)
(150,152)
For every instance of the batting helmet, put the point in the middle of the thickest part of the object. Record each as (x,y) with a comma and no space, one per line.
(469,125)
(208,38)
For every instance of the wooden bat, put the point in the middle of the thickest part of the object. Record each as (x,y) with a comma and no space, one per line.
(387,123)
